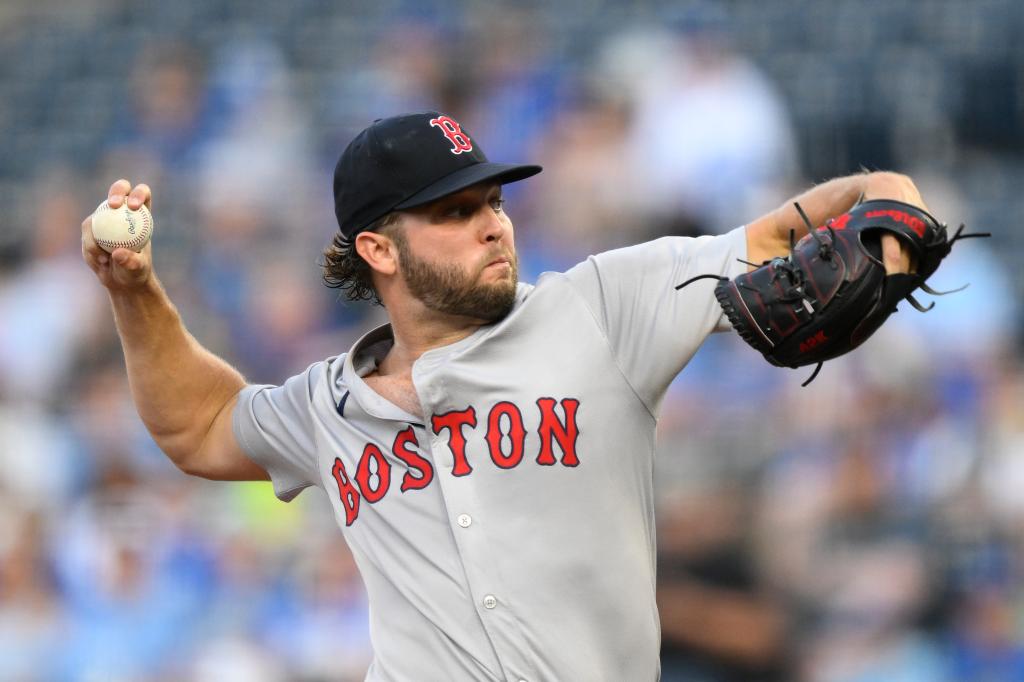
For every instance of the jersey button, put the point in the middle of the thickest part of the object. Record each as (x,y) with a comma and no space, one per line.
(490,601)
(464,520)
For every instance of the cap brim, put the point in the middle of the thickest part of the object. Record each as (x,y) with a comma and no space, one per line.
(502,173)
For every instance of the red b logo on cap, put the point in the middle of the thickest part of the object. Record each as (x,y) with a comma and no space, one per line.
(460,140)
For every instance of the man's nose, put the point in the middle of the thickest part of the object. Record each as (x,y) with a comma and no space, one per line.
(493,226)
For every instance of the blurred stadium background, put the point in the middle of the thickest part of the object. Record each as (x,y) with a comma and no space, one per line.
(869,527)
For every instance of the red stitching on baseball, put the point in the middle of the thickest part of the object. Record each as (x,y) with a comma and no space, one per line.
(143,236)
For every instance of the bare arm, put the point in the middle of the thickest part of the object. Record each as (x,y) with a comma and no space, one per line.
(183,392)
(768,236)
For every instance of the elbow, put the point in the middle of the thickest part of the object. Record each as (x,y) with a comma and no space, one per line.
(184,452)
(189,465)
(187,461)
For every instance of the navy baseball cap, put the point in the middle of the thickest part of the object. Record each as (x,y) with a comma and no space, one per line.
(410,160)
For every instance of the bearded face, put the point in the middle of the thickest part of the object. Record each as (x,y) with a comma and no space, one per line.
(450,288)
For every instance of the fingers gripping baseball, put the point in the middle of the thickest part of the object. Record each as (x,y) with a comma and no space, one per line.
(120,268)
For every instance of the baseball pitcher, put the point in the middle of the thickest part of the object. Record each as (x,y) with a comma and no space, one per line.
(489,452)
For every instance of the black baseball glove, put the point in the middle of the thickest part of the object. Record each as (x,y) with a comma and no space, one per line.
(832,292)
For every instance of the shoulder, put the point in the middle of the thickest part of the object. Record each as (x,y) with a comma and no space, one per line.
(327,374)
(653,257)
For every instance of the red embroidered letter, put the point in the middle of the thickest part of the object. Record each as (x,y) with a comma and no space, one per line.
(551,428)
(837,223)
(404,449)
(454,421)
(813,341)
(516,434)
(363,474)
(460,140)
(347,492)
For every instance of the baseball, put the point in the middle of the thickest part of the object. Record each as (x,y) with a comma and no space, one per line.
(114,228)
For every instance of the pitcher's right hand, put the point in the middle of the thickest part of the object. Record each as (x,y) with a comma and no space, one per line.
(123,269)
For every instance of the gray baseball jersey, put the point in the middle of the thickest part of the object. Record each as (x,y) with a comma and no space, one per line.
(509,533)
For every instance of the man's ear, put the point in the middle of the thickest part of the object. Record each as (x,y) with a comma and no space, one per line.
(378,251)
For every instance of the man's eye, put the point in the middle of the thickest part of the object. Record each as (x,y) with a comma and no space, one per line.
(498,204)
(459,212)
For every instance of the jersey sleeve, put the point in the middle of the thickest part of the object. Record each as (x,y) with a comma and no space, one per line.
(652,328)
(274,426)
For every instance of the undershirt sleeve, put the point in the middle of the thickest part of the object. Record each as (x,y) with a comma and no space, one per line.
(653,329)
(274,427)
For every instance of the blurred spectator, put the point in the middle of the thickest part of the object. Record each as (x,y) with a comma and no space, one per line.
(986,640)
(49,306)
(124,583)
(169,114)
(583,206)
(406,69)
(871,633)
(709,145)
(257,159)
(38,457)
(516,86)
(1001,472)
(32,615)
(234,659)
(322,626)
(718,621)
(284,316)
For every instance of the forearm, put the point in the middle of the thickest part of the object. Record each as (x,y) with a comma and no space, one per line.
(178,386)
(769,236)
(839,195)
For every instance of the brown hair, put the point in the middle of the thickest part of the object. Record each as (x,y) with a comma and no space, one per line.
(345,269)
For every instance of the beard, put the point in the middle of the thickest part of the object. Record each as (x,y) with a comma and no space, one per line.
(447,288)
